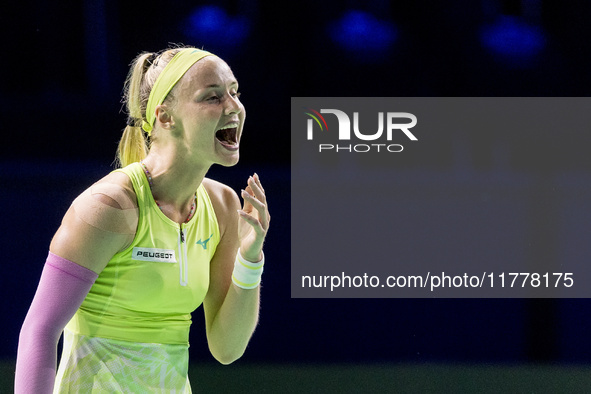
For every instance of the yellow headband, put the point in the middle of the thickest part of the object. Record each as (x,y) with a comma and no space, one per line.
(172,73)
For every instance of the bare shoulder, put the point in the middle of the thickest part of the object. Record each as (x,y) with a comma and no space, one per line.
(220,194)
(225,201)
(101,221)
(109,205)
(116,190)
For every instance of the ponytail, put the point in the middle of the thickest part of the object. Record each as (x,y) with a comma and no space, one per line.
(146,68)
(133,146)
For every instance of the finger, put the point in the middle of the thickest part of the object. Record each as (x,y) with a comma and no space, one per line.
(265,217)
(258,181)
(254,222)
(257,190)
(246,206)
(261,207)
(257,204)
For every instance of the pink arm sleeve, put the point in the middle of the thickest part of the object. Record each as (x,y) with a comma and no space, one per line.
(62,288)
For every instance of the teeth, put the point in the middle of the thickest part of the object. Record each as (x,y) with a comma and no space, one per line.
(229,126)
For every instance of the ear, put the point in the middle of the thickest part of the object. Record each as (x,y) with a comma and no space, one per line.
(164,117)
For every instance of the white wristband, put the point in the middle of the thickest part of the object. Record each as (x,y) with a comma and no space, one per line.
(247,275)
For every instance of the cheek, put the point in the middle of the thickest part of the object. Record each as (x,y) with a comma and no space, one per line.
(206,118)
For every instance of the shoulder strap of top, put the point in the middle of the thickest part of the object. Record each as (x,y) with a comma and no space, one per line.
(140,184)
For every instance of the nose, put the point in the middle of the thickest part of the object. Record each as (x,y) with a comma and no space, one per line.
(233,105)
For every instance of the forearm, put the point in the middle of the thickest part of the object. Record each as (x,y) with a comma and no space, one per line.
(37,359)
(232,315)
(234,324)
(62,288)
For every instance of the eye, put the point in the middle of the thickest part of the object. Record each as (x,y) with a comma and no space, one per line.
(236,94)
(214,98)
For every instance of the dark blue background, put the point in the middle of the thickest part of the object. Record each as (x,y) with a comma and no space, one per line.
(63,68)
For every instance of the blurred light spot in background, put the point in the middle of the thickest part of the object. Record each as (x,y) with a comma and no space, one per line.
(363,33)
(211,25)
(513,42)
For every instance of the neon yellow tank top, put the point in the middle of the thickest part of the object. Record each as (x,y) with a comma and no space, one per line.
(147,292)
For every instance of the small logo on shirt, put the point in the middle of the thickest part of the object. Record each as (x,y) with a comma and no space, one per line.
(154,255)
(204,243)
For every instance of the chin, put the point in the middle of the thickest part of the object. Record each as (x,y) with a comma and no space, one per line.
(229,162)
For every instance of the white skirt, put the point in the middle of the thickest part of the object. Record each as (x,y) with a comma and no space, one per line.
(101,365)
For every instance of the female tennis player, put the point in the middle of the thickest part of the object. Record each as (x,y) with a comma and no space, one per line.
(143,247)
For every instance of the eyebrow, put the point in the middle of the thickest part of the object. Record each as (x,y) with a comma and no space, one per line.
(215,85)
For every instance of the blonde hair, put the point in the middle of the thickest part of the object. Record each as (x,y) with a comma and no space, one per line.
(145,69)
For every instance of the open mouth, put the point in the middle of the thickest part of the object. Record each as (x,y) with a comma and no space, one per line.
(227,136)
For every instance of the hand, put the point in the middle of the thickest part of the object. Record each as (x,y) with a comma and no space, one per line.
(252,229)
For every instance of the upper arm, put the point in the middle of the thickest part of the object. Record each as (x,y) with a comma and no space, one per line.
(99,223)
(226,204)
